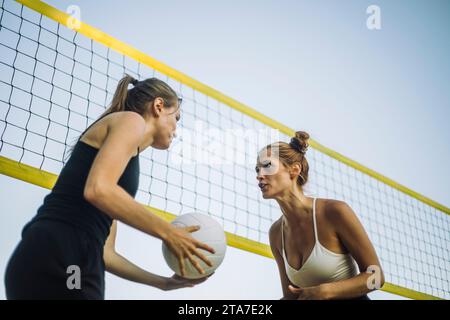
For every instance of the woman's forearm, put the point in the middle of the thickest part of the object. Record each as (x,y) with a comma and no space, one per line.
(121,267)
(119,205)
(349,288)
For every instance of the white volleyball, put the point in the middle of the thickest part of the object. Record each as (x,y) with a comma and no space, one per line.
(210,233)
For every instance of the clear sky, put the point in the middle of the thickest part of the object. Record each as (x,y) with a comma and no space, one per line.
(379,97)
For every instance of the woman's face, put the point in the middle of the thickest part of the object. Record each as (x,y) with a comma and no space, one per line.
(166,126)
(272,175)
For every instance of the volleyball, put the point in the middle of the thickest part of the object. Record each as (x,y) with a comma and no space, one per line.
(210,233)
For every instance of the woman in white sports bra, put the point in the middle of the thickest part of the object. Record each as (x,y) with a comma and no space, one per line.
(320,246)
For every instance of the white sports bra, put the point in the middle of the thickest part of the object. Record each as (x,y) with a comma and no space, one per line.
(322,265)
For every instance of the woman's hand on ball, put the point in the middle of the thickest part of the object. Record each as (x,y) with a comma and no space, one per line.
(177,282)
(183,245)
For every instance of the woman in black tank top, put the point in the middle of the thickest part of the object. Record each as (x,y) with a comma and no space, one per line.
(67,246)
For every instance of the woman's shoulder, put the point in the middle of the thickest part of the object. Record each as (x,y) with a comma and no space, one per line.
(334,210)
(332,204)
(275,228)
(121,121)
(126,118)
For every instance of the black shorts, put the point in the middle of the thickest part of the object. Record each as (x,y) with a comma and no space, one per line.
(55,260)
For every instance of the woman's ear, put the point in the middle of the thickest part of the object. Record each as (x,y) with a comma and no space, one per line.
(295,170)
(157,107)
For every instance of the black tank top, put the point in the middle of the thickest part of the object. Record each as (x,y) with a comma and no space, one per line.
(66,202)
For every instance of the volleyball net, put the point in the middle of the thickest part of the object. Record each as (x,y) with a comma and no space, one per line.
(58,74)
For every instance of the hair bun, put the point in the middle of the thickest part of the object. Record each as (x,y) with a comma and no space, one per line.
(300,142)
